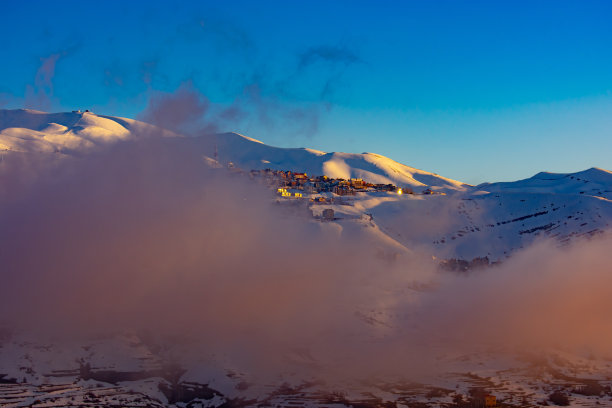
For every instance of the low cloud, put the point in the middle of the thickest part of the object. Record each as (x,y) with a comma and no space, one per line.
(250,94)
(183,111)
(39,95)
(144,236)
(187,111)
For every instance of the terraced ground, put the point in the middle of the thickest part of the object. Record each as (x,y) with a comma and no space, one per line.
(72,395)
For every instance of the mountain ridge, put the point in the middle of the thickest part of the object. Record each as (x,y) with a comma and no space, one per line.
(77,132)
(593,181)
(26,130)
(490,219)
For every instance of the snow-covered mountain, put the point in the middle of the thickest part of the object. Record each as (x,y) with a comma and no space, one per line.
(494,225)
(74,133)
(29,131)
(249,153)
(594,182)
(492,219)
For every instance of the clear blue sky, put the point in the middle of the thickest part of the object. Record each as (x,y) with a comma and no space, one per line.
(476,91)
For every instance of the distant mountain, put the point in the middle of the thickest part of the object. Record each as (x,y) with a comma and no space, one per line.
(594,181)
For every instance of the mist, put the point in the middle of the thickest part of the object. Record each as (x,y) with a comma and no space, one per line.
(143,235)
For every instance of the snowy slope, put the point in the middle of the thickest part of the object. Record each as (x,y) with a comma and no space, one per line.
(249,153)
(594,181)
(33,131)
(109,372)
(497,222)
(492,219)
(29,131)
(497,219)
(495,225)
(71,133)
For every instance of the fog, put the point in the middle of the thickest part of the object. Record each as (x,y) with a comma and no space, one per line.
(145,236)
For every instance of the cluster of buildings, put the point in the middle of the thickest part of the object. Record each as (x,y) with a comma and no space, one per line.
(299,185)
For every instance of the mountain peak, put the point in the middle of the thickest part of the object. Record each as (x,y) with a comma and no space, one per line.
(249,153)
(593,181)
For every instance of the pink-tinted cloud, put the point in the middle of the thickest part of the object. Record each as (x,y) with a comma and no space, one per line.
(183,111)
(40,95)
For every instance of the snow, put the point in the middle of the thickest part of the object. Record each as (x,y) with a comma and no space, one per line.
(492,219)
(495,225)
(594,181)
(32,131)
(336,168)
(374,168)
(73,133)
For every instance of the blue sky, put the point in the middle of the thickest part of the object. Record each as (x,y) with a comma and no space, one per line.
(476,91)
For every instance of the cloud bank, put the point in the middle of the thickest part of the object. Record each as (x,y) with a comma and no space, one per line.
(144,236)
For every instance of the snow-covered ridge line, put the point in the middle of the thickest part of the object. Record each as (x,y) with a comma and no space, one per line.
(370,167)
(77,132)
(594,182)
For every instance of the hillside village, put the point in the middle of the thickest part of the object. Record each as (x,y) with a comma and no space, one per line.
(323,189)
